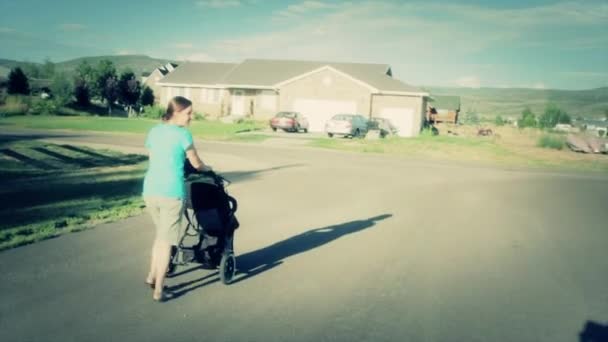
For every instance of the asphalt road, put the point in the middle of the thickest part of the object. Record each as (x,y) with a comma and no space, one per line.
(335,246)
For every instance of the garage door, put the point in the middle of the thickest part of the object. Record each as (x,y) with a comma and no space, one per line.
(402,118)
(319,111)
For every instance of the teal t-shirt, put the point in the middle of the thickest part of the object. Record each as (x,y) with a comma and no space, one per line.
(165,176)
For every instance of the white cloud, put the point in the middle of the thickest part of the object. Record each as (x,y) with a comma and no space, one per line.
(72,27)
(183,46)
(219,3)
(124,52)
(195,57)
(301,8)
(539,85)
(468,82)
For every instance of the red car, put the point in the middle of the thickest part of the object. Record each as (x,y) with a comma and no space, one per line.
(289,121)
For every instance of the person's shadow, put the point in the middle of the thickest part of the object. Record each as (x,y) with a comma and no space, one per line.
(261,260)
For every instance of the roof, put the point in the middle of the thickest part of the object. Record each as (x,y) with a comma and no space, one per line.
(198,73)
(446,102)
(267,73)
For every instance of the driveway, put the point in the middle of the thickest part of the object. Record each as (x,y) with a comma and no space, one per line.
(336,246)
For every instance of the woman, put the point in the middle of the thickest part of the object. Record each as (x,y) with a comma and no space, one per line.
(169,144)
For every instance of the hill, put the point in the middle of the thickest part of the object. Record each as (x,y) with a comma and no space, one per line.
(490,102)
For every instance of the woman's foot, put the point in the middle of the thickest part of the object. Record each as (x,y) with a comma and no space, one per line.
(160,297)
(150,282)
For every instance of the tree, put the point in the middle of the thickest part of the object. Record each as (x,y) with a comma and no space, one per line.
(129,89)
(84,83)
(110,92)
(62,89)
(147,97)
(499,121)
(106,84)
(552,116)
(18,82)
(528,119)
(31,70)
(81,92)
(47,69)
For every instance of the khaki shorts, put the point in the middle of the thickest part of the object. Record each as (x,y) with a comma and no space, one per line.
(167,215)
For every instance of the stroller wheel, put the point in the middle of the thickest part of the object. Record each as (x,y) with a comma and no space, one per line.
(227,268)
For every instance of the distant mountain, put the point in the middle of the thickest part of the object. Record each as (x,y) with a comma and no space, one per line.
(490,102)
(137,63)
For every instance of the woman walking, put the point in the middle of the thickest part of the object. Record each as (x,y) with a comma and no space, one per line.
(169,144)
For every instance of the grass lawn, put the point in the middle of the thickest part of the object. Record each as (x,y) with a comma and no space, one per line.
(54,189)
(206,130)
(511,147)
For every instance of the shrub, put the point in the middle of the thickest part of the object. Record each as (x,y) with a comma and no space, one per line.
(499,121)
(153,112)
(43,107)
(15,105)
(551,141)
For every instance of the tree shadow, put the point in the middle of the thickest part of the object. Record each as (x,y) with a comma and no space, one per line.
(11,138)
(27,160)
(62,197)
(264,259)
(107,159)
(63,158)
(594,332)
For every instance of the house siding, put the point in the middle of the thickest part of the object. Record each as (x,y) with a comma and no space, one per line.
(416,103)
(315,86)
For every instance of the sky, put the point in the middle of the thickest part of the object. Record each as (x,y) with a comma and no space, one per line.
(466,43)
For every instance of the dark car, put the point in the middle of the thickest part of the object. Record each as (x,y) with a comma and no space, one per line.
(383,125)
(289,121)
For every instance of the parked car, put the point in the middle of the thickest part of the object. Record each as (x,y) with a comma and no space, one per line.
(352,125)
(289,121)
(385,126)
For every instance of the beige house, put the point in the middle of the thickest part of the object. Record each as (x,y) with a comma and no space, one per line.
(319,90)
(151,80)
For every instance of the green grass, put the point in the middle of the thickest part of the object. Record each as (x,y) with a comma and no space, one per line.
(206,129)
(56,189)
(502,151)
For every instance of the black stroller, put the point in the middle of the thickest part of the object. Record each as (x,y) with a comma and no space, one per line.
(210,222)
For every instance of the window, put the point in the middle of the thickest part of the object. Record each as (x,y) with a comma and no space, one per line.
(210,95)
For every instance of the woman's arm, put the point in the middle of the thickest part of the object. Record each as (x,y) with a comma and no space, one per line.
(195,160)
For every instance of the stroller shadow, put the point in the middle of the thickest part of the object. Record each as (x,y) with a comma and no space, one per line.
(256,262)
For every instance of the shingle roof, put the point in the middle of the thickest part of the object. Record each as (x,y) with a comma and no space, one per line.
(268,73)
(198,73)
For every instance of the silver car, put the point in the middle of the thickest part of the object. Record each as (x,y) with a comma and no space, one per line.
(347,125)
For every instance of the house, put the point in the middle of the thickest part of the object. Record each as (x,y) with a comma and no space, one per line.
(259,88)
(151,79)
(443,109)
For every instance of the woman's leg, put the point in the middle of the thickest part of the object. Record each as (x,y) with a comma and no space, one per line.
(170,219)
(153,209)
(151,278)
(163,253)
